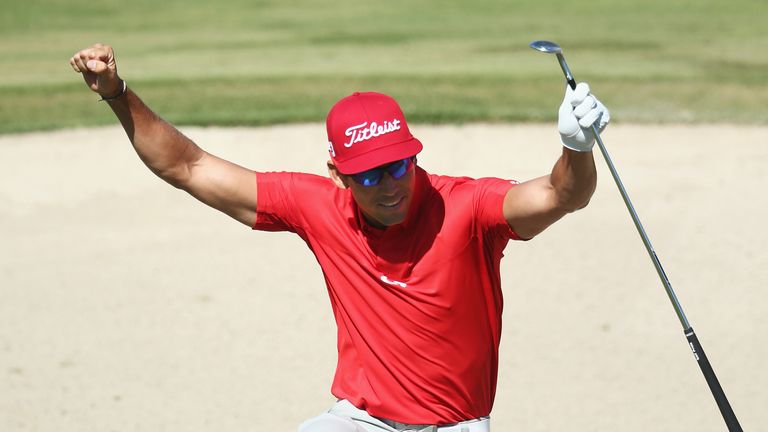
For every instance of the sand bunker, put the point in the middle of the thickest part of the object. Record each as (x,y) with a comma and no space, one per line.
(126,305)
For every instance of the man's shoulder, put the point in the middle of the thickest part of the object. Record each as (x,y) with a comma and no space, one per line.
(299,187)
(454,186)
(296,179)
(449,184)
(442,181)
(299,201)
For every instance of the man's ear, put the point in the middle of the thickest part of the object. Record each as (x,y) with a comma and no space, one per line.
(336,176)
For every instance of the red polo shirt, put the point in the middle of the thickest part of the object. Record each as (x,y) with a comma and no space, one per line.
(417,305)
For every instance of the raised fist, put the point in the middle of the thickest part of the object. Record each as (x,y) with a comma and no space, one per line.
(97,64)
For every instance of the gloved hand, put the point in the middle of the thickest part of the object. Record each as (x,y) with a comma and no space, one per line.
(578,112)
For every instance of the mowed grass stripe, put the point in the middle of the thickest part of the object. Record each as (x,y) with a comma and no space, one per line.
(261,62)
(263,101)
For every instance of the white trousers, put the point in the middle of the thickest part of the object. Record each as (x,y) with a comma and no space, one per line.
(345,417)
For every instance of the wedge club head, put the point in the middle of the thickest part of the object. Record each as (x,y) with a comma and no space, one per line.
(546,46)
(553,48)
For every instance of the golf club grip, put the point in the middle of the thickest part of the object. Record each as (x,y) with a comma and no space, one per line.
(714,384)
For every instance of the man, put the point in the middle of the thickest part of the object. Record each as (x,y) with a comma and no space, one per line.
(410,259)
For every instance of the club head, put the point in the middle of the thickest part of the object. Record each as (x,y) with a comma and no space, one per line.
(546,47)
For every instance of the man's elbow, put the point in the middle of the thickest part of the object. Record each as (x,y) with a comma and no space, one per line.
(177,176)
(586,203)
(575,202)
(584,195)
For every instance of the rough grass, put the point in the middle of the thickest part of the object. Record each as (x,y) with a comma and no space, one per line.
(261,62)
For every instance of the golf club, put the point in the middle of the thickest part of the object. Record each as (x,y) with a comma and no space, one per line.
(698,353)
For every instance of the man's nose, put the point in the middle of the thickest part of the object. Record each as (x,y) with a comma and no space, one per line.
(387,182)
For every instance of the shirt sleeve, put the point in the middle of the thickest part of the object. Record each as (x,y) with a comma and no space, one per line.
(275,208)
(285,199)
(489,207)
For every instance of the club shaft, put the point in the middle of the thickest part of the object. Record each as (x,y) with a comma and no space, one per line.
(698,352)
(639,225)
(631,208)
(566,71)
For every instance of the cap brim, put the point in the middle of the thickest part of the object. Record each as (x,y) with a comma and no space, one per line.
(379,156)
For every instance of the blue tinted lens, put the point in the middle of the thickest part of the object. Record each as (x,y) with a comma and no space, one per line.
(399,168)
(372,177)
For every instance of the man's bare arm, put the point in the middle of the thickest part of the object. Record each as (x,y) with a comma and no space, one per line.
(166,151)
(531,207)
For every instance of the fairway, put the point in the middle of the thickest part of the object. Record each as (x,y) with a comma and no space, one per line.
(256,63)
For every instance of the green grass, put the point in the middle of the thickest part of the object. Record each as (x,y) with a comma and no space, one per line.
(263,62)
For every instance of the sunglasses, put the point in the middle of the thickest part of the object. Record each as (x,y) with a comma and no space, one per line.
(373,176)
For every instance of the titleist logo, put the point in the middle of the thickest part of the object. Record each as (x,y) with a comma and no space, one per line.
(363,132)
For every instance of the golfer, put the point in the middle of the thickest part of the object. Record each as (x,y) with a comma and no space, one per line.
(410,258)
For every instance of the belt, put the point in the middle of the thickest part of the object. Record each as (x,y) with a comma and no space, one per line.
(405,427)
(408,427)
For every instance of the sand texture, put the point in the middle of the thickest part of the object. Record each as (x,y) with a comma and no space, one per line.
(126,305)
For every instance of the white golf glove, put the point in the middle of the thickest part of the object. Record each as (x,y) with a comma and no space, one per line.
(578,112)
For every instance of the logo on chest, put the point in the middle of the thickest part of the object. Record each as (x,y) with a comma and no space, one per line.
(389,281)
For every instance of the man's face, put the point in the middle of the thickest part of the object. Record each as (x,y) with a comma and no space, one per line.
(385,204)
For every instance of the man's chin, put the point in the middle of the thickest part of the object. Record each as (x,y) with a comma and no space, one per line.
(388,220)
(396,219)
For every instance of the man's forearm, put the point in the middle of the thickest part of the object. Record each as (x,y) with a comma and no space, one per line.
(165,150)
(574,178)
